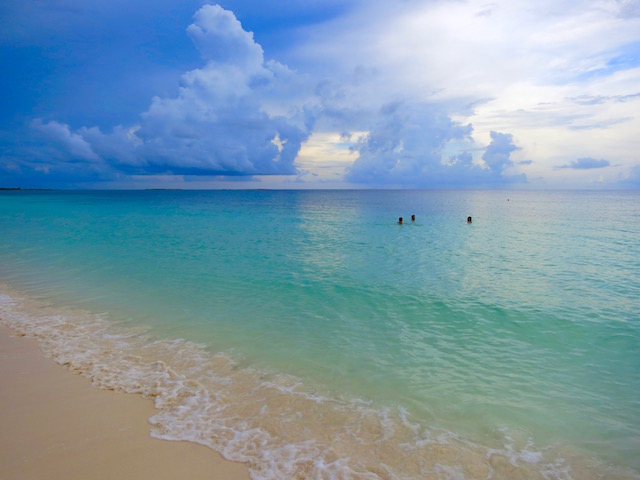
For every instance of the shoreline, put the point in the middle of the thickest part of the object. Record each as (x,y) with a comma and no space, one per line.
(55,424)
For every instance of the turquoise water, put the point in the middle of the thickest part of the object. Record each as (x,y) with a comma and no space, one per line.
(516,336)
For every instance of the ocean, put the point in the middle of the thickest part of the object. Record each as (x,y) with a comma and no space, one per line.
(310,335)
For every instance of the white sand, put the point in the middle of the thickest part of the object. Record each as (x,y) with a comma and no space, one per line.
(55,425)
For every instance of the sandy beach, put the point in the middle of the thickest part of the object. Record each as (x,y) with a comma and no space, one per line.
(55,425)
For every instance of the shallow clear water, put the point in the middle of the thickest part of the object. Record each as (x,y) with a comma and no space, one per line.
(514,337)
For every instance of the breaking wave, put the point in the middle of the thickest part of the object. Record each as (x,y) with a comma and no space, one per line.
(280,427)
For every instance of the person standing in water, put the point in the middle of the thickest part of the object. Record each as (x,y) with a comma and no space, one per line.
(400,221)
(413,218)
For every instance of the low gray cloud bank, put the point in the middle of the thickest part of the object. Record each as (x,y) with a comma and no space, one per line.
(407,147)
(587,163)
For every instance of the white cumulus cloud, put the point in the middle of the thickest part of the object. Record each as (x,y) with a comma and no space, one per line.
(232,116)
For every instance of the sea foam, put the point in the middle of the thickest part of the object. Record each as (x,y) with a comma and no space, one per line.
(273,422)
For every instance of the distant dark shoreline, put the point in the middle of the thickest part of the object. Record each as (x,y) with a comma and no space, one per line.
(25,189)
(32,189)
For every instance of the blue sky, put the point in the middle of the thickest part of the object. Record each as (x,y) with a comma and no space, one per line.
(320,94)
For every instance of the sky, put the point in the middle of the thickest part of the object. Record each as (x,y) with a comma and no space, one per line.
(320,94)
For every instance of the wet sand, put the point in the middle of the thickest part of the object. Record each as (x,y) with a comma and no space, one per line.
(55,425)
